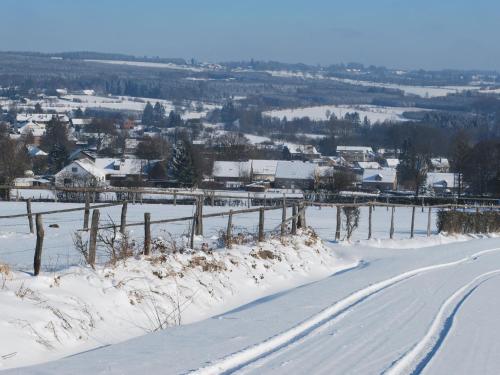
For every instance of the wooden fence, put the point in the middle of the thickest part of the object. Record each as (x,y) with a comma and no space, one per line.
(297,219)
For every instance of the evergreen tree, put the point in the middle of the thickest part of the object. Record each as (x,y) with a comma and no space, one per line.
(174,120)
(158,114)
(183,164)
(148,115)
(78,113)
(56,142)
(38,108)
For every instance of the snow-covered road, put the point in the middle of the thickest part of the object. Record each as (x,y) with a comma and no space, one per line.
(414,310)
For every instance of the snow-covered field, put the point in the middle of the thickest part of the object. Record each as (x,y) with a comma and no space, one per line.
(372,112)
(402,306)
(148,65)
(422,91)
(72,102)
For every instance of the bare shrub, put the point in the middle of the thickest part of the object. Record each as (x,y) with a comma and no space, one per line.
(453,222)
(241,236)
(81,246)
(351,222)
(116,245)
(168,245)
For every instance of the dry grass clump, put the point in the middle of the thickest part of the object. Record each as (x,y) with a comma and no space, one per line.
(264,254)
(206,265)
(4,269)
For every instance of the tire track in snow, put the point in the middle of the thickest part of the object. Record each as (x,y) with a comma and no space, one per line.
(253,353)
(415,360)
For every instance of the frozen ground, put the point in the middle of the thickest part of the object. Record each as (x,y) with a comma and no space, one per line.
(427,305)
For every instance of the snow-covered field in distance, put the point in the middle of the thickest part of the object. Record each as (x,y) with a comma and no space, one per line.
(72,102)
(145,64)
(372,112)
(422,91)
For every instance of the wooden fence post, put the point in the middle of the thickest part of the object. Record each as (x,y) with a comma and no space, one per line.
(175,198)
(370,208)
(283,220)
(37,261)
(94,227)
(86,212)
(304,221)
(30,216)
(123,218)
(199,215)
(294,219)
(339,221)
(391,231)
(429,221)
(261,224)
(412,230)
(193,228)
(229,235)
(147,233)
(212,198)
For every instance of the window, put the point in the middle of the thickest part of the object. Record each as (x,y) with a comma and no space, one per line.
(74,169)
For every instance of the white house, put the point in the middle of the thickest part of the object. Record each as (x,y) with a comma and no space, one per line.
(80,173)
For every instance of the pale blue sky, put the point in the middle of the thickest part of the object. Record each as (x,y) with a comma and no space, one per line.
(427,34)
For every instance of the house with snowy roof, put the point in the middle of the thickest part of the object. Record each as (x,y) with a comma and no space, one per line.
(441,182)
(263,170)
(368,165)
(391,163)
(34,151)
(440,165)
(381,179)
(80,173)
(232,173)
(121,172)
(301,152)
(355,153)
(295,174)
(41,118)
(34,128)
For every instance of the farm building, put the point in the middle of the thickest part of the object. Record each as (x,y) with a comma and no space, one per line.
(295,174)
